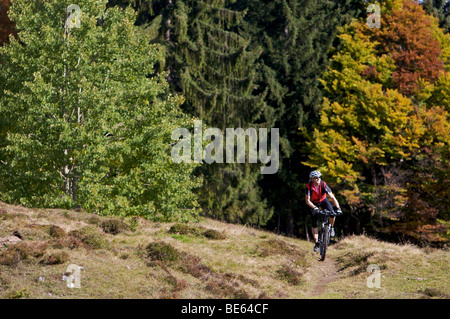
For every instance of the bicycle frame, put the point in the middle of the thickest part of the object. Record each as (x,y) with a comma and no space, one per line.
(324,234)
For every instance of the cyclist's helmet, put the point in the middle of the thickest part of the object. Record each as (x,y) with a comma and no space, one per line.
(314,174)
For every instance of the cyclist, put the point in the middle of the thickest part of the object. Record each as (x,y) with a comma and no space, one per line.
(316,192)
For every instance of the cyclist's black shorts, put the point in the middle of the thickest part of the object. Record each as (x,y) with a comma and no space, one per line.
(315,216)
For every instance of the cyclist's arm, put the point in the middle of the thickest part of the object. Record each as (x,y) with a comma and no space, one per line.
(333,200)
(309,202)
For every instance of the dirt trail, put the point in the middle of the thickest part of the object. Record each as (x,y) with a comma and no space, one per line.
(325,272)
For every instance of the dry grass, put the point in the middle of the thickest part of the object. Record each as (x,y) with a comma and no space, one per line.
(135,258)
(406,271)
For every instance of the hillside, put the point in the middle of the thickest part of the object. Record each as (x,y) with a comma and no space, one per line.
(135,258)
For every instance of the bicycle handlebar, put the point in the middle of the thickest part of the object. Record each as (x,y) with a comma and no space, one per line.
(326,212)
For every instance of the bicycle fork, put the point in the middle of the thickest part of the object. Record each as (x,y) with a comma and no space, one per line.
(325,233)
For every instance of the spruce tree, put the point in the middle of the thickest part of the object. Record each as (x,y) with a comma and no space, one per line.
(296,37)
(213,63)
(289,41)
(441,10)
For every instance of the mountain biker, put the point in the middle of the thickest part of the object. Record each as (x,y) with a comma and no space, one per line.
(316,192)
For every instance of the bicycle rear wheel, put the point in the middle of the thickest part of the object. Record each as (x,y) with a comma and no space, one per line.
(324,242)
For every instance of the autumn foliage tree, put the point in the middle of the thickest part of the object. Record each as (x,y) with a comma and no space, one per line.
(383,136)
(407,36)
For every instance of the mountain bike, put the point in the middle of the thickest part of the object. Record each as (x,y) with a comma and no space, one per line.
(324,234)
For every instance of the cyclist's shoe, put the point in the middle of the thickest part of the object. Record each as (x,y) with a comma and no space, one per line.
(316,247)
(332,233)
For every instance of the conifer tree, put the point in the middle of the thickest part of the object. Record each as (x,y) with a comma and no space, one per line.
(441,10)
(289,41)
(295,37)
(213,63)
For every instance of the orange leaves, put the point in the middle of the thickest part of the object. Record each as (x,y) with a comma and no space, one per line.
(373,115)
(352,197)
(408,37)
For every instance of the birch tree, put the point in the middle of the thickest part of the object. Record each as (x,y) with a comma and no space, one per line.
(89,119)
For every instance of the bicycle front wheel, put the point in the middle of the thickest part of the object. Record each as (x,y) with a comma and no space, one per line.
(324,242)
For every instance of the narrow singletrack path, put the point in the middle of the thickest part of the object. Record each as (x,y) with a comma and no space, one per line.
(325,272)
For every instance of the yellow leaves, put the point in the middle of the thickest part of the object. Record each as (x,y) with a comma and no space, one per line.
(365,120)
(443,39)
(425,90)
(439,93)
(352,196)
(374,122)
(340,171)
(435,125)
(376,154)
(361,147)
(337,115)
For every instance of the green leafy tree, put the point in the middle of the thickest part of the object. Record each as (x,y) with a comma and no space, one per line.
(439,93)
(89,119)
(6,26)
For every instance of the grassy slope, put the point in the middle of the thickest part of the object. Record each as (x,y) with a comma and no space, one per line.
(246,263)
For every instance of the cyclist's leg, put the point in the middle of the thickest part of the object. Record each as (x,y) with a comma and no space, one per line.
(326,204)
(315,232)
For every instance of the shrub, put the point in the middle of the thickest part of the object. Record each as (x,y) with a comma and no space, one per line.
(191,265)
(91,237)
(18,252)
(213,234)
(113,226)
(94,220)
(197,231)
(56,258)
(184,229)
(56,231)
(289,275)
(226,290)
(68,242)
(433,292)
(10,258)
(177,284)
(275,247)
(31,249)
(161,252)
